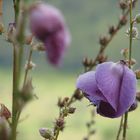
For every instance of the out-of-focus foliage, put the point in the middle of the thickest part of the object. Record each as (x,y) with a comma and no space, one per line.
(87,20)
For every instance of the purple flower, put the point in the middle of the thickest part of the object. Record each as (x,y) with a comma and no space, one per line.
(112,88)
(48,25)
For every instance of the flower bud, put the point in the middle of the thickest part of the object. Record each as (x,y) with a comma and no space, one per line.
(46,133)
(78,94)
(137,72)
(60,123)
(135,32)
(85,62)
(71,110)
(123,4)
(30,65)
(39,47)
(123,20)
(112,30)
(102,58)
(132,62)
(103,40)
(4,112)
(60,103)
(125,53)
(137,18)
(27,91)
(11,33)
(133,106)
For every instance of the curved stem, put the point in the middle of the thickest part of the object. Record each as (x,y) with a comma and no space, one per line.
(120,128)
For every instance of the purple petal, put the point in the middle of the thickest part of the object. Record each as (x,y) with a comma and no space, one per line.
(106,110)
(56,45)
(45,20)
(87,83)
(108,76)
(128,91)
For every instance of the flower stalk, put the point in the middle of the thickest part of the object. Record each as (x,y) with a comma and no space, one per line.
(130,57)
(17,63)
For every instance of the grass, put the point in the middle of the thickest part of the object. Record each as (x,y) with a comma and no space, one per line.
(42,112)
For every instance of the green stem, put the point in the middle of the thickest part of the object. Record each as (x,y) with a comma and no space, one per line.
(125,125)
(17,61)
(57,134)
(130,39)
(130,57)
(120,128)
(28,63)
(15,91)
(16,8)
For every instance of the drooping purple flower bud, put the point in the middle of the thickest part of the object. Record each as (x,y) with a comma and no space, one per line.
(48,25)
(112,88)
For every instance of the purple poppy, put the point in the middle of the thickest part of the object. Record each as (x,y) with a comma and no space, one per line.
(48,25)
(112,88)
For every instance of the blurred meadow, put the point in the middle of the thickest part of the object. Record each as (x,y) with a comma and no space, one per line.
(87,20)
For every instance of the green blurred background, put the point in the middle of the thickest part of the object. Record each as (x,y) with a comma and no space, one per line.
(87,20)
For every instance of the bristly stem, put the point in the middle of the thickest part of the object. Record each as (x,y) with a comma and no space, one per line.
(130,57)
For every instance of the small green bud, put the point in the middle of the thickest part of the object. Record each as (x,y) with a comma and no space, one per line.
(137,18)
(26,93)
